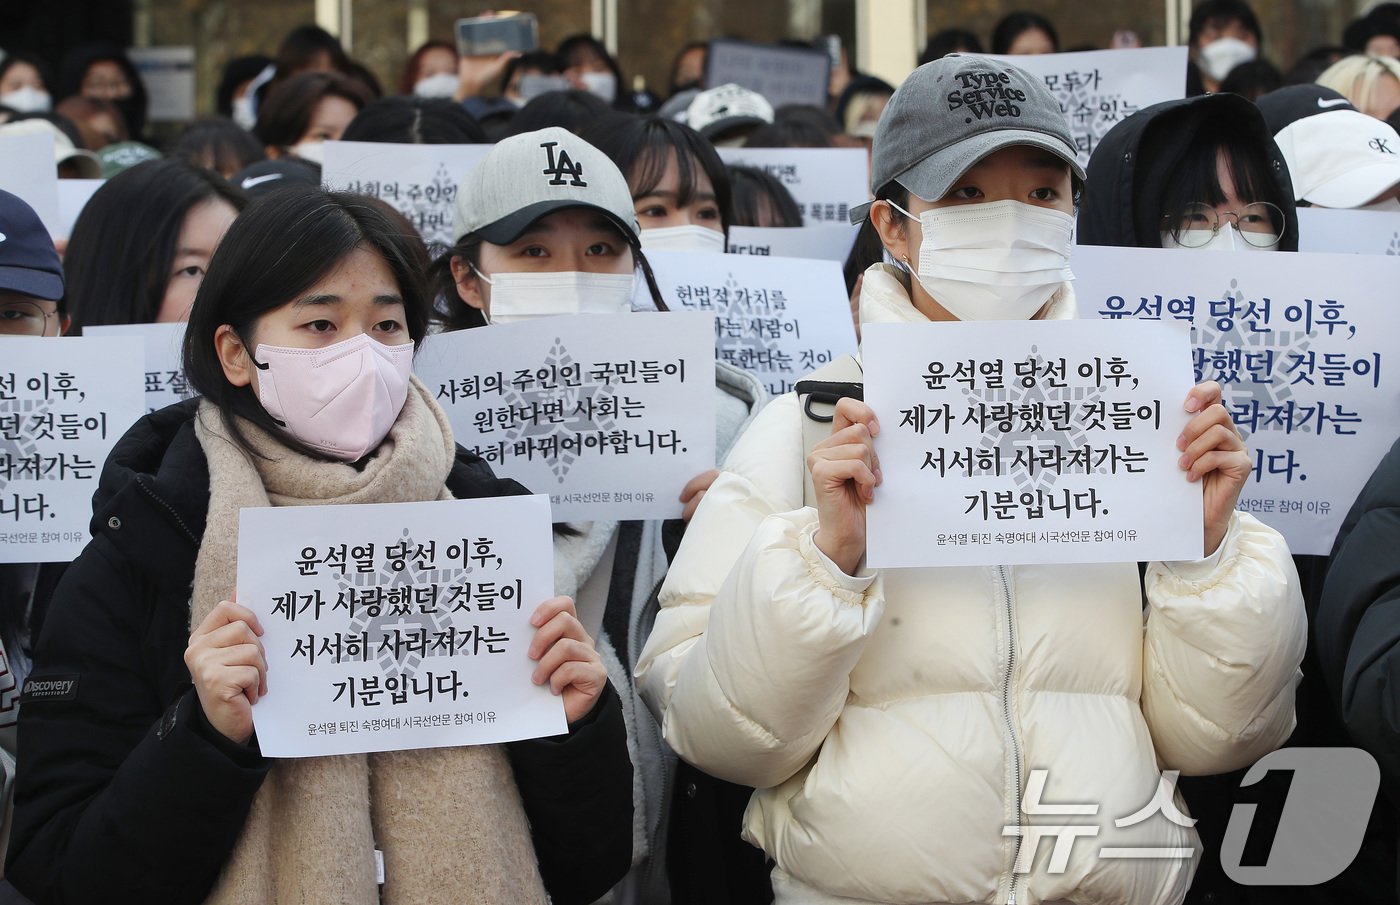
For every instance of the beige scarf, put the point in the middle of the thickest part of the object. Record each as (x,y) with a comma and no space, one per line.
(449,820)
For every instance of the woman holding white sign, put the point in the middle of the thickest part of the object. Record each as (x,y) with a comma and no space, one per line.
(546,227)
(141,777)
(905,727)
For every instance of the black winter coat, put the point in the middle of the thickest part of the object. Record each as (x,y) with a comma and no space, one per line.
(124,791)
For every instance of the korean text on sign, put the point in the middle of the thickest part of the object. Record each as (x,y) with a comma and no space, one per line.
(1303,347)
(396,626)
(1037,442)
(608,414)
(64,403)
(780,318)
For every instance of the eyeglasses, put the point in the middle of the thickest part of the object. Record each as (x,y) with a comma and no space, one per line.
(24,318)
(1260,224)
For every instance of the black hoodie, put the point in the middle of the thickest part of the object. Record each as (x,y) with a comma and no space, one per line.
(1137,157)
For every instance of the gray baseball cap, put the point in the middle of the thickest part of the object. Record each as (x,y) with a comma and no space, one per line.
(527,176)
(951,113)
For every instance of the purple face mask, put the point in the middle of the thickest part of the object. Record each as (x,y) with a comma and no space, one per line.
(340,400)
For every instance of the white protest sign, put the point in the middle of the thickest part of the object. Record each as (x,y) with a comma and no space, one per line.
(165,382)
(73,196)
(420,181)
(825,182)
(608,414)
(1348,232)
(780,318)
(1099,88)
(64,403)
(827,243)
(168,74)
(31,172)
(398,625)
(1005,443)
(1304,347)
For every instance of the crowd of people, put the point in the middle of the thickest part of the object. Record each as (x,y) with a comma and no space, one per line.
(761,717)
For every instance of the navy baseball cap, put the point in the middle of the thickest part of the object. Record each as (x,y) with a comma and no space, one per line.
(29,264)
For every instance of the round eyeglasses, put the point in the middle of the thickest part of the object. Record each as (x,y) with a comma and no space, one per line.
(1260,224)
(19,317)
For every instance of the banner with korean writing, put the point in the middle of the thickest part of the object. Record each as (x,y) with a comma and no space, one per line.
(64,403)
(826,243)
(1097,89)
(398,625)
(825,182)
(1003,443)
(780,318)
(1349,231)
(165,382)
(420,181)
(610,415)
(1304,346)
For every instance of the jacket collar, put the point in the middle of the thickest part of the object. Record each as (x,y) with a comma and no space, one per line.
(884,299)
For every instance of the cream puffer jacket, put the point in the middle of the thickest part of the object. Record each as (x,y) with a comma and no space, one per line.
(891,720)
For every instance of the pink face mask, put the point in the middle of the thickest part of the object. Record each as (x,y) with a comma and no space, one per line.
(340,400)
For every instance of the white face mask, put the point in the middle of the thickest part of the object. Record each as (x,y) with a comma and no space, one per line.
(997,261)
(310,151)
(244,113)
(27,100)
(690,237)
(1227,238)
(1223,54)
(600,84)
(524,296)
(340,400)
(442,85)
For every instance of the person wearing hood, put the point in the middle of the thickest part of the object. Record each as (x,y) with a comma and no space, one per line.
(1216,156)
(888,719)
(1202,173)
(531,246)
(1221,35)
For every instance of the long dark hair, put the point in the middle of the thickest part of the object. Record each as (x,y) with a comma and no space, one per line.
(756,193)
(281,246)
(641,147)
(117,265)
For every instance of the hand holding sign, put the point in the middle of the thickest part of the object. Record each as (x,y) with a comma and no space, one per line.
(567,658)
(845,472)
(1214,453)
(229,668)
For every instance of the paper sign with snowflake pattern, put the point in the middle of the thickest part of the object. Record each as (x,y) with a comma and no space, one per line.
(610,415)
(1005,443)
(64,403)
(396,626)
(1305,347)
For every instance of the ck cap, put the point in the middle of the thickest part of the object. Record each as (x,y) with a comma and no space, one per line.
(951,113)
(29,264)
(527,176)
(1337,156)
